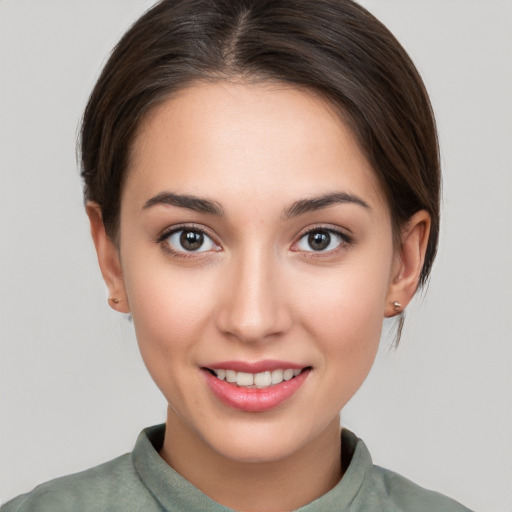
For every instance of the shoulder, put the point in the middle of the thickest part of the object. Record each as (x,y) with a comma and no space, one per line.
(367,487)
(401,494)
(113,486)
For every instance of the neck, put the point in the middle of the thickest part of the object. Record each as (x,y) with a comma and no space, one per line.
(272,486)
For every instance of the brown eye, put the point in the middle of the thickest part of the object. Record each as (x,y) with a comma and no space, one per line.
(322,240)
(319,240)
(190,240)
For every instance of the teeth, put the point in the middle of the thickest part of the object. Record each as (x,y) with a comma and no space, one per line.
(259,380)
(277,376)
(230,375)
(262,380)
(288,374)
(244,379)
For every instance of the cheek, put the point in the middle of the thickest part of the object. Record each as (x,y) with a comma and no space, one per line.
(344,312)
(349,302)
(170,317)
(347,330)
(170,312)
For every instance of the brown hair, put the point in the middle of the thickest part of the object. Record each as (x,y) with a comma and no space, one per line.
(332,47)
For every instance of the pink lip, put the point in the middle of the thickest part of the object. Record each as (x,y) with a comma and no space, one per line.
(267,365)
(254,399)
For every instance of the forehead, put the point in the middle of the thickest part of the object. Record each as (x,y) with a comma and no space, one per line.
(229,138)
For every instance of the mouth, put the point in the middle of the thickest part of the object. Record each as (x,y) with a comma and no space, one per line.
(268,385)
(261,380)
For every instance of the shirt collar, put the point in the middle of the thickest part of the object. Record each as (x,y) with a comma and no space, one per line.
(174,492)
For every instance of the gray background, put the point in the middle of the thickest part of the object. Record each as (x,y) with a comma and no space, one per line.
(74,392)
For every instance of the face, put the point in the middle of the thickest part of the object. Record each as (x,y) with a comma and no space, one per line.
(256,247)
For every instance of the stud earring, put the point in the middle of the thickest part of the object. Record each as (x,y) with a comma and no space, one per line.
(397,306)
(115,300)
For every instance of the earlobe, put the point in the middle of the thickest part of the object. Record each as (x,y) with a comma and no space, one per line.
(408,263)
(108,259)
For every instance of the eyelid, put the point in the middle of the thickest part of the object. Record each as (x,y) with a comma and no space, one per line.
(170,230)
(346,238)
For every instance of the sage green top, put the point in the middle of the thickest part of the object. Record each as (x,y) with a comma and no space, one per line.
(141,481)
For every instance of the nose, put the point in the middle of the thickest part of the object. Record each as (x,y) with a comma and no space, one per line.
(254,305)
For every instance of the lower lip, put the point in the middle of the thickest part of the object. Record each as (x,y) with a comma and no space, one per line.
(254,399)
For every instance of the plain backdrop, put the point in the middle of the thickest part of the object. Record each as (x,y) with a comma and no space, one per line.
(74,391)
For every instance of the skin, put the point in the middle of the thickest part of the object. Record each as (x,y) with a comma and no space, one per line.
(258,291)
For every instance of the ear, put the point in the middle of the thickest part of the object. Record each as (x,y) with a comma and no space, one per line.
(108,259)
(408,263)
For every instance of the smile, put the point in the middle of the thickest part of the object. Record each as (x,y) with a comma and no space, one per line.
(260,380)
(267,386)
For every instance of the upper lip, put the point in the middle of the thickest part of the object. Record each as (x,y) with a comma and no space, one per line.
(255,366)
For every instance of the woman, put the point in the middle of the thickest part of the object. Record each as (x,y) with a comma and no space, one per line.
(262,183)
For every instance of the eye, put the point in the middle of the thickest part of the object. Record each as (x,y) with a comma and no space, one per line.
(321,240)
(190,240)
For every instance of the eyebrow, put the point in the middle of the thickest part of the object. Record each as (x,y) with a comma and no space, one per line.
(318,202)
(185,201)
(300,207)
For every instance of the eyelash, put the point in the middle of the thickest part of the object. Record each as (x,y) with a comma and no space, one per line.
(345,241)
(163,237)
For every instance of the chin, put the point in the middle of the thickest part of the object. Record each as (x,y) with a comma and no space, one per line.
(257,451)
(266,443)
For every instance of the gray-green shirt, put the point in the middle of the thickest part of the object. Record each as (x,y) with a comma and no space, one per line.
(141,481)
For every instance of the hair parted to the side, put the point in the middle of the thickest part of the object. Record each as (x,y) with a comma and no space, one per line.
(335,48)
